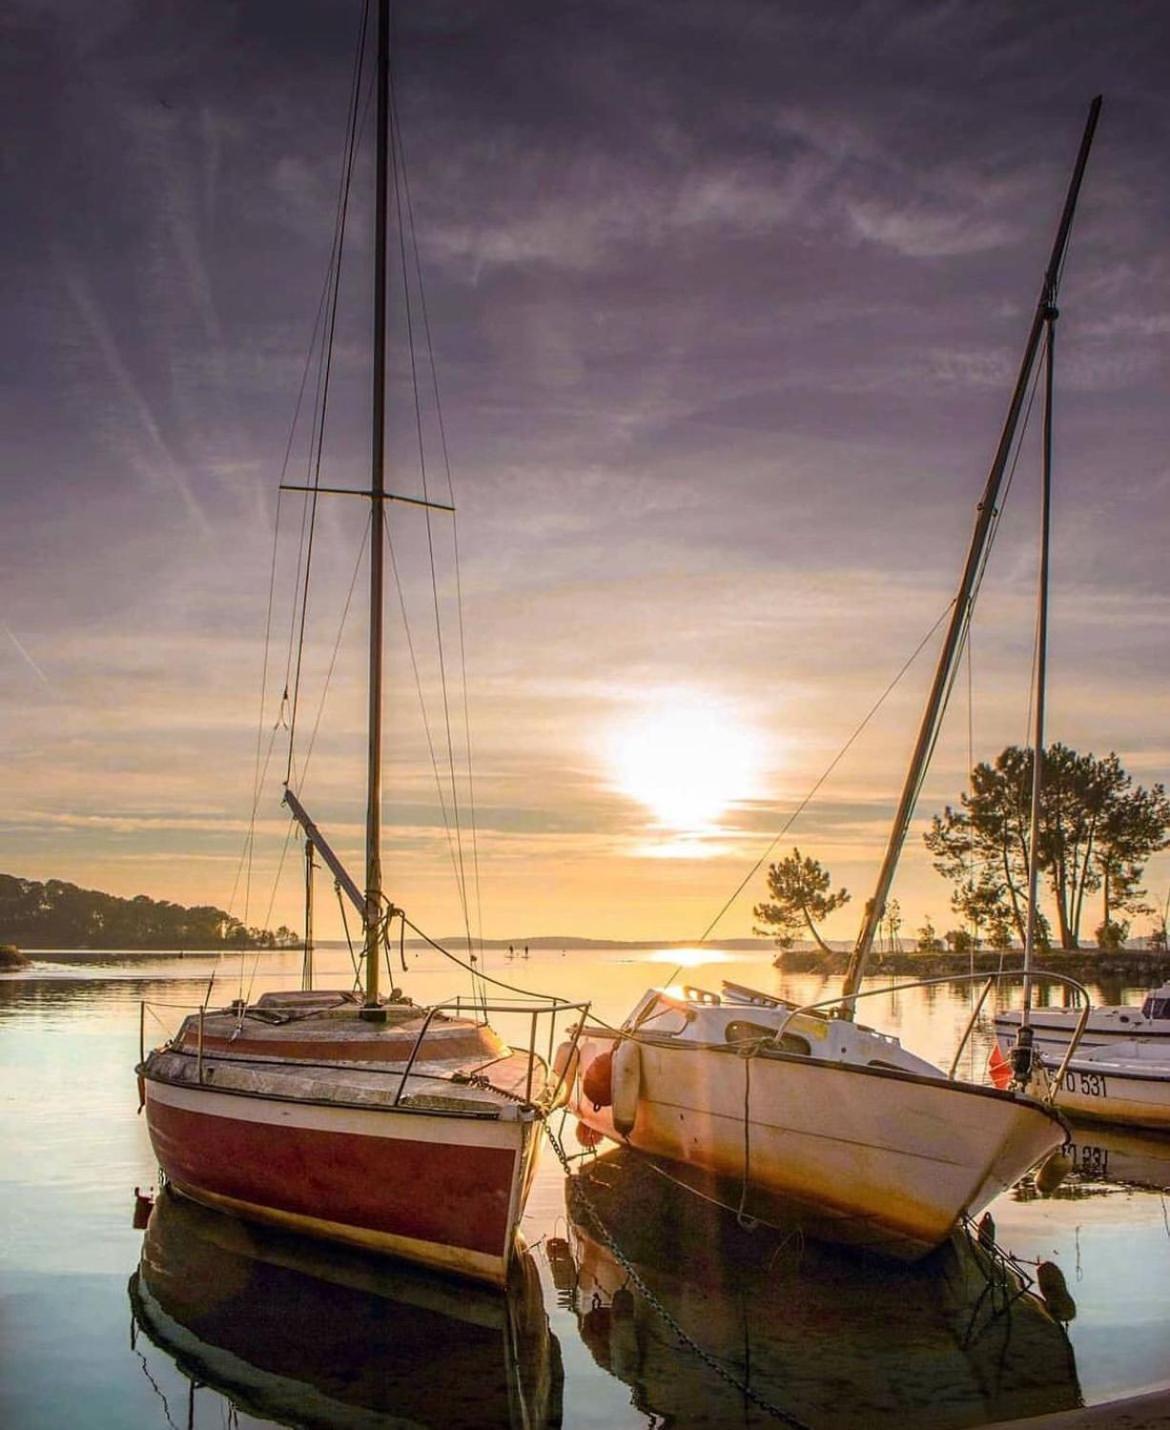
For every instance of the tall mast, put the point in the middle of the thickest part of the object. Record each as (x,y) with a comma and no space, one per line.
(960,614)
(373,911)
(1022,1052)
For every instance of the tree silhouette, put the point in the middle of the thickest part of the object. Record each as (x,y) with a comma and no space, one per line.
(800,890)
(1097,830)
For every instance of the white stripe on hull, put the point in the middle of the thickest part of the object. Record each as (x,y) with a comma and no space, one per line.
(381,1122)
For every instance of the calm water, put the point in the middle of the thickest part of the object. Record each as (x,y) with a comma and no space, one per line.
(203,1322)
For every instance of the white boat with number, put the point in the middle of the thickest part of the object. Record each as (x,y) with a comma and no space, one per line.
(1126,1082)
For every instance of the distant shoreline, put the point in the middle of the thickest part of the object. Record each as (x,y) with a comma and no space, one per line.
(542,944)
(1091,965)
(1087,963)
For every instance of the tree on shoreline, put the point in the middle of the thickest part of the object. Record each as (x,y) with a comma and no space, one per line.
(800,890)
(1097,830)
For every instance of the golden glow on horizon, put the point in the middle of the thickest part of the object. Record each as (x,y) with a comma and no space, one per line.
(686,760)
(687,957)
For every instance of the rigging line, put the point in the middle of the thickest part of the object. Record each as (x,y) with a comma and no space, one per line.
(250,837)
(327,372)
(977,585)
(423,712)
(336,648)
(326,288)
(397,160)
(836,760)
(442,428)
(292,824)
(487,977)
(246,851)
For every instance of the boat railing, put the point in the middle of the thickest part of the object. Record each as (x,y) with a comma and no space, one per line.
(534,1008)
(990,980)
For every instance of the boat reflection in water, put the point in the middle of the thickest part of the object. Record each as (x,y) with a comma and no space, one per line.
(307,1335)
(1119,1156)
(827,1338)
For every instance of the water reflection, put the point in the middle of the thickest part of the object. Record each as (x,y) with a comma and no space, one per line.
(1120,1157)
(302,1335)
(826,1338)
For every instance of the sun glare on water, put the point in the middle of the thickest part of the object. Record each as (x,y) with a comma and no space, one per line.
(687,761)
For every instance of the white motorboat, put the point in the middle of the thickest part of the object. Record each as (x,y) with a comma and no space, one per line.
(1106,1026)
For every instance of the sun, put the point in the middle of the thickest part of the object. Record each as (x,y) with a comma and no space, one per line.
(687,759)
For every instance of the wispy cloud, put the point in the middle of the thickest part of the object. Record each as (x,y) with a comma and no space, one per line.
(154,457)
(28,660)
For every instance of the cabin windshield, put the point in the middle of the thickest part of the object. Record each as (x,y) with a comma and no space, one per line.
(1156,1008)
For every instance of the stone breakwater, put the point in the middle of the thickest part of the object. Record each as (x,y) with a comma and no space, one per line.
(1130,966)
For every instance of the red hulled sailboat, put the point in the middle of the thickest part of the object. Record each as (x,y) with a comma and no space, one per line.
(353,1116)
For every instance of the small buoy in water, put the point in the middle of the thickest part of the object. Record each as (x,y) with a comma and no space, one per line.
(143,1206)
(1054,1289)
(1053,1171)
(597,1082)
(587,1136)
(986,1231)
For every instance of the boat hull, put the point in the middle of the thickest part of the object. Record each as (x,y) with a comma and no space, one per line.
(443,1191)
(1099,1090)
(881,1159)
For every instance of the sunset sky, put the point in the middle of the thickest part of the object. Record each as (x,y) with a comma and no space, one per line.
(727,299)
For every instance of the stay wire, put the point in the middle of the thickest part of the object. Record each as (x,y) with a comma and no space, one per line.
(442,430)
(836,760)
(327,372)
(396,164)
(976,587)
(246,855)
(328,285)
(327,289)
(439,788)
(336,650)
(486,977)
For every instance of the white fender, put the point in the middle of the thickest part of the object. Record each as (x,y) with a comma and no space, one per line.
(566,1063)
(627,1084)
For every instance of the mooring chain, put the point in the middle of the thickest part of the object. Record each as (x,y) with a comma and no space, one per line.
(652,1300)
